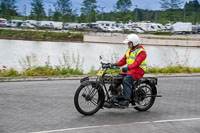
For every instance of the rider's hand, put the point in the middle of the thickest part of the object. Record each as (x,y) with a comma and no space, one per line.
(125,69)
(114,64)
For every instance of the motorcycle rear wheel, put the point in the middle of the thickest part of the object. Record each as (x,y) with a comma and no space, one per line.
(144,99)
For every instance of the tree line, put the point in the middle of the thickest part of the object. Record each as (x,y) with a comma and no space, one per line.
(123,11)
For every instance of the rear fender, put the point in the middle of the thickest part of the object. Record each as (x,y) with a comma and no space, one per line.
(152,82)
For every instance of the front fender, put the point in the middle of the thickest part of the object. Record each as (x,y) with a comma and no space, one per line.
(87,82)
(97,86)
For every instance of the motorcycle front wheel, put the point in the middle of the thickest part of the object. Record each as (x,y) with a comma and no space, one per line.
(88,99)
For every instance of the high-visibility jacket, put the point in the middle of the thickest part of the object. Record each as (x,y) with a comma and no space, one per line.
(134,69)
(130,58)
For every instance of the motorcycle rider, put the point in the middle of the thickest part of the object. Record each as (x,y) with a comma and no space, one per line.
(135,58)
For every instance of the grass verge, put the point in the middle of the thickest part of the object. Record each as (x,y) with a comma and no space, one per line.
(40,36)
(58,71)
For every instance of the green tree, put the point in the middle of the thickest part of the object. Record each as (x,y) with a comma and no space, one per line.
(50,14)
(123,5)
(192,9)
(57,16)
(64,7)
(171,6)
(8,8)
(37,11)
(89,10)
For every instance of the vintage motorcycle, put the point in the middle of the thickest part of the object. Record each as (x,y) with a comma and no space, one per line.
(105,90)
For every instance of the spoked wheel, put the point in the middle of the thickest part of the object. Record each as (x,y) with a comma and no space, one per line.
(88,99)
(143,98)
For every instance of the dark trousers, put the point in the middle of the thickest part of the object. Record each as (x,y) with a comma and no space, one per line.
(127,85)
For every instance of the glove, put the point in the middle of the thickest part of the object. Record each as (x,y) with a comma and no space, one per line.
(125,69)
(114,64)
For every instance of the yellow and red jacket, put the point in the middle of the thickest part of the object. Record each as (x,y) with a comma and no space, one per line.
(136,60)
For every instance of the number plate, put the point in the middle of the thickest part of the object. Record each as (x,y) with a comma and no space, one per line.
(100,73)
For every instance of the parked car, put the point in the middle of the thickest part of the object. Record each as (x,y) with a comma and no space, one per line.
(194,29)
(14,23)
(3,23)
(2,20)
(10,24)
(83,26)
(118,29)
(168,26)
(46,24)
(103,28)
(27,25)
(137,30)
(112,29)
(33,22)
(199,29)
(94,25)
(71,25)
(125,27)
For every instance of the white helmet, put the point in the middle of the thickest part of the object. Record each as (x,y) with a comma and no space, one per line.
(132,38)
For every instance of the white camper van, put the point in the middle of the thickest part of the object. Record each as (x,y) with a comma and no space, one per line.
(14,23)
(158,26)
(146,26)
(181,27)
(58,25)
(106,23)
(71,25)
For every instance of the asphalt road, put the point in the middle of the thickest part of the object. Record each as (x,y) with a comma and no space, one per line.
(47,107)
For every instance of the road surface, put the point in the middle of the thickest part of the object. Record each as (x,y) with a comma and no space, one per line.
(47,107)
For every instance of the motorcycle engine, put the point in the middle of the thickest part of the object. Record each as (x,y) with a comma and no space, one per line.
(116,90)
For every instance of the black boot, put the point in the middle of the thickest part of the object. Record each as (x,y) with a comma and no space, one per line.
(107,105)
(124,103)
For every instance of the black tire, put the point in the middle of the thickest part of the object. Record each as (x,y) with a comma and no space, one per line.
(141,93)
(89,100)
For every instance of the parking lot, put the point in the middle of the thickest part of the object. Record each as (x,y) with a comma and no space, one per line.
(47,107)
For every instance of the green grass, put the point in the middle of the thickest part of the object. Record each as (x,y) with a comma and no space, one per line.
(36,35)
(168,38)
(41,71)
(174,69)
(160,33)
(59,71)
(9,73)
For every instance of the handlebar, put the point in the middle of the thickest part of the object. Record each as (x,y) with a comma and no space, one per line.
(105,63)
(108,65)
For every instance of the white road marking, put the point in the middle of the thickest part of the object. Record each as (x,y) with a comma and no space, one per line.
(133,123)
(176,120)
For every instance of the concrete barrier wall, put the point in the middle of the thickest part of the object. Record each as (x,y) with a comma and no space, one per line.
(145,41)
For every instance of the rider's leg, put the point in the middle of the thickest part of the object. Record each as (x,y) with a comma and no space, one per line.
(127,85)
